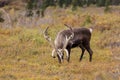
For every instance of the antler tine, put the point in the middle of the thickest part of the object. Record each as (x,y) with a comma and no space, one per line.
(47,37)
(70,29)
(68,26)
(46,29)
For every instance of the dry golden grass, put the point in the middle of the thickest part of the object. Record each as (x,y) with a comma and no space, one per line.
(26,55)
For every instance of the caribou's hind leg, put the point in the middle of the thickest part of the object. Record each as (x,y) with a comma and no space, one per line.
(83,50)
(68,54)
(89,51)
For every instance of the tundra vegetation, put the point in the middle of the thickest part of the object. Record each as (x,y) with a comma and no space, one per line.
(26,55)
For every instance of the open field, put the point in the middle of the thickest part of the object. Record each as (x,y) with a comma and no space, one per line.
(26,55)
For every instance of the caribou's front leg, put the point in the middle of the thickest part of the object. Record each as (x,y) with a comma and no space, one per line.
(67,54)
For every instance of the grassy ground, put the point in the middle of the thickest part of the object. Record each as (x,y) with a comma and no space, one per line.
(26,55)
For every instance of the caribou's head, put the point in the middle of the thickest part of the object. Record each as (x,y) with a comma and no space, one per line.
(59,52)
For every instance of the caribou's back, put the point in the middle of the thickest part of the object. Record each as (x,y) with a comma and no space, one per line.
(81,35)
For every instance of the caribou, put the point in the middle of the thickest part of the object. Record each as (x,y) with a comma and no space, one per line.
(68,39)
